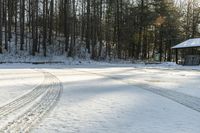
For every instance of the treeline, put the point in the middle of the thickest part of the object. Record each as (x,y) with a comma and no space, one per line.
(124,29)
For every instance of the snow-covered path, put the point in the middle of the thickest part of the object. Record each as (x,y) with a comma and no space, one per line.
(113,99)
(16,82)
(189,101)
(24,112)
(93,101)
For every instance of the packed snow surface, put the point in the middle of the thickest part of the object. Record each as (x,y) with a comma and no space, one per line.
(107,98)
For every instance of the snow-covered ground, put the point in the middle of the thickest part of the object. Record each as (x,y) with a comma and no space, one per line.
(110,98)
(16,82)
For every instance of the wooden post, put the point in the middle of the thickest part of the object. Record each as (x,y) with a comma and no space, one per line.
(176,56)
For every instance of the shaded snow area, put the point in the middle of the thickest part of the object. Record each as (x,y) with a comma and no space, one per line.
(102,98)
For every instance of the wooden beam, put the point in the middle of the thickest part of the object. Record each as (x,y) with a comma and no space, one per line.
(176,56)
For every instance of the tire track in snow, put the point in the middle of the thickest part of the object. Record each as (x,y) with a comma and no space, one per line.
(49,92)
(181,98)
(178,97)
(25,99)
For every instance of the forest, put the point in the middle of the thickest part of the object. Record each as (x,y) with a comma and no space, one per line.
(100,29)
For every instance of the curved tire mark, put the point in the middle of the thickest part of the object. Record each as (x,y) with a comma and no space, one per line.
(50,92)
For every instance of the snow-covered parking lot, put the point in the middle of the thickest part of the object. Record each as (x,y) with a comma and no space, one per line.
(99,99)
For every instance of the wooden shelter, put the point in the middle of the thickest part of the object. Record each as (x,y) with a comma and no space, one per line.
(188,52)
